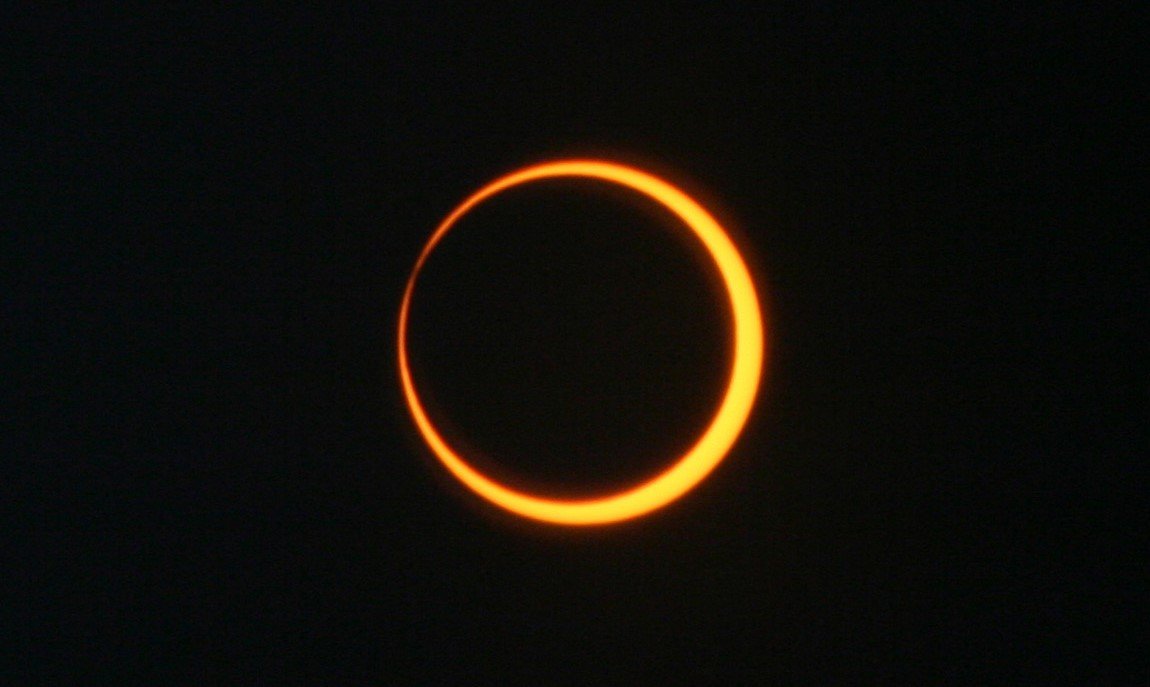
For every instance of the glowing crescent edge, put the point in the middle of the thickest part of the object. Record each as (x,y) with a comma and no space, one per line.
(719,436)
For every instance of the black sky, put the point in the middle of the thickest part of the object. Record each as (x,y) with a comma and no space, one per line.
(209,217)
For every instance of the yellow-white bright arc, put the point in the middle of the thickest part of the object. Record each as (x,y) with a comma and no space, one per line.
(746,365)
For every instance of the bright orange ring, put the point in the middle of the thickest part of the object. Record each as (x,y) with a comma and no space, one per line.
(711,447)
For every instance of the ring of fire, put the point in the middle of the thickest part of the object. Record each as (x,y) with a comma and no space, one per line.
(728,421)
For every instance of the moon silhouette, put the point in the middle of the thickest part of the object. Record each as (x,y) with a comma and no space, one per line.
(709,449)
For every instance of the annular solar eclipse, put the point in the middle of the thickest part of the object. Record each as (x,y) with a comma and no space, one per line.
(683,472)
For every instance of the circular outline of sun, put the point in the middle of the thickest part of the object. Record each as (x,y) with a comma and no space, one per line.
(714,443)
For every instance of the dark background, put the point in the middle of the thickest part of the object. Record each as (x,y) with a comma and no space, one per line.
(208,470)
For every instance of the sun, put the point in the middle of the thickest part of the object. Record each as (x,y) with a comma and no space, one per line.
(685,471)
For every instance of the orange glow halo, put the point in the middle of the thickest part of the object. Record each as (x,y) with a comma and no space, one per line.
(711,447)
